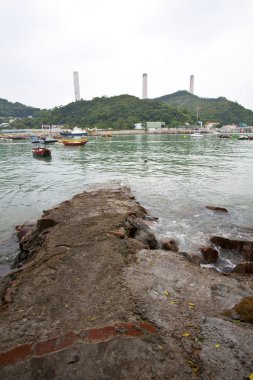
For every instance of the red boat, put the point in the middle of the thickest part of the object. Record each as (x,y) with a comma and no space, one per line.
(41,152)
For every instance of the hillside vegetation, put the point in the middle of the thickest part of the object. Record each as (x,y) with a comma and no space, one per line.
(8,109)
(123,111)
(117,112)
(217,110)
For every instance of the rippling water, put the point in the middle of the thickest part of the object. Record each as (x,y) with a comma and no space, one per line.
(181,176)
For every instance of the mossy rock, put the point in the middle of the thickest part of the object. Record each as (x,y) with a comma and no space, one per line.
(244,310)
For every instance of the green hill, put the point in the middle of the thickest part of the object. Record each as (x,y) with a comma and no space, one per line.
(8,109)
(119,112)
(217,110)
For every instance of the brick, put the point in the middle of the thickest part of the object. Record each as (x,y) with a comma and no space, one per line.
(55,344)
(148,327)
(101,334)
(16,354)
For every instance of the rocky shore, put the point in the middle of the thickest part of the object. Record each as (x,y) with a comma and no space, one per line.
(94,295)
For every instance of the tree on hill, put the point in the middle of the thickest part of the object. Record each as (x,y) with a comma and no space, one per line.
(8,109)
(218,110)
(118,112)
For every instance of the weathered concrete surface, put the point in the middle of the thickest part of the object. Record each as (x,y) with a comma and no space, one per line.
(87,305)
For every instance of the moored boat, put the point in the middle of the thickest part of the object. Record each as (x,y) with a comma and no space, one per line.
(74,142)
(49,140)
(41,152)
(245,137)
(75,132)
(196,134)
(43,140)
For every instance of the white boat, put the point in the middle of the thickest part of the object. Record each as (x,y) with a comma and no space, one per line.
(196,134)
(75,132)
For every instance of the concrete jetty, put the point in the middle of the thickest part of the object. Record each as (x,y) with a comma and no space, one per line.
(93,297)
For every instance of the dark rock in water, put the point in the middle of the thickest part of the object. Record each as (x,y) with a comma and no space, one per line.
(245,248)
(169,245)
(218,209)
(210,254)
(245,267)
(24,229)
(150,218)
(243,310)
(147,238)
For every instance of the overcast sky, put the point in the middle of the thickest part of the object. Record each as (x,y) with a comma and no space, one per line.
(111,43)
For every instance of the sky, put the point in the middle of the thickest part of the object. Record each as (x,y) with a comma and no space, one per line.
(111,43)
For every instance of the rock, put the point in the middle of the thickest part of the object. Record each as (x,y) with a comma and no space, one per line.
(169,245)
(135,245)
(243,310)
(210,254)
(147,238)
(24,229)
(120,233)
(218,209)
(45,223)
(193,257)
(247,250)
(151,218)
(245,267)
(244,247)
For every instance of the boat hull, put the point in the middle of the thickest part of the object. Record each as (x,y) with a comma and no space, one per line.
(41,152)
(73,142)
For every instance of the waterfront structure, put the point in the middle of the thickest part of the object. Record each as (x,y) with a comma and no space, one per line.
(191,90)
(76,86)
(155,126)
(144,86)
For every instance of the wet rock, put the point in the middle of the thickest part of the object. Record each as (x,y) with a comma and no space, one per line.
(194,258)
(210,254)
(243,310)
(147,238)
(218,209)
(150,218)
(45,223)
(245,267)
(247,250)
(24,229)
(169,245)
(244,247)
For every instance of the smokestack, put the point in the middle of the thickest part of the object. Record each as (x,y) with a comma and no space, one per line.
(145,86)
(76,86)
(191,90)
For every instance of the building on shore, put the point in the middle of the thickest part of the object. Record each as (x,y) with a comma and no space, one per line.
(155,126)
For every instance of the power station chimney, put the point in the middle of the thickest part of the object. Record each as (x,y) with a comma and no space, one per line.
(76,85)
(145,86)
(191,84)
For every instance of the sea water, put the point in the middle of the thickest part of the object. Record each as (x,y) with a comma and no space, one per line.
(173,176)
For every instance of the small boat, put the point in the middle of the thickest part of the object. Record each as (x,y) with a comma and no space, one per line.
(49,140)
(43,140)
(224,136)
(75,132)
(36,140)
(74,142)
(41,152)
(196,134)
(244,137)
